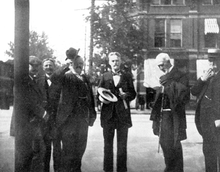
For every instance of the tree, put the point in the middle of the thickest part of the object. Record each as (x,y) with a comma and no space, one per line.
(38,46)
(115,30)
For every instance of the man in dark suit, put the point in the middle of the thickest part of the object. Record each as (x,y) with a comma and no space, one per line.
(168,113)
(116,115)
(207,116)
(76,111)
(31,139)
(50,130)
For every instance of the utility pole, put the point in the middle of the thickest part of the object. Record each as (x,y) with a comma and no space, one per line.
(91,34)
(20,82)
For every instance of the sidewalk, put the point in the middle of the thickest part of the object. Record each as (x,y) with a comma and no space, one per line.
(143,153)
(148,111)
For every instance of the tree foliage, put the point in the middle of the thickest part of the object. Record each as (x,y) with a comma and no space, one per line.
(38,46)
(115,30)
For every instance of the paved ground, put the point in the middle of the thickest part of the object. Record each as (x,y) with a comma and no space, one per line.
(142,146)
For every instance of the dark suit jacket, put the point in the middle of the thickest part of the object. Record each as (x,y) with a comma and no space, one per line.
(209,92)
(178,93)
(126,83)
(76,97)
(52,93)
(35,105)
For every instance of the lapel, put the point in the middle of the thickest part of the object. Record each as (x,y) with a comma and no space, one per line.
(34,84)
(172,73)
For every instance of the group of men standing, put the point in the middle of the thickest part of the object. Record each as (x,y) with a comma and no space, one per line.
(60,109)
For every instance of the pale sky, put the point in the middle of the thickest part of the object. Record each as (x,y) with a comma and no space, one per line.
(61,20)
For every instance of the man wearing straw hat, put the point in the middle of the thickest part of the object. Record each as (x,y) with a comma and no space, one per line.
(116,90)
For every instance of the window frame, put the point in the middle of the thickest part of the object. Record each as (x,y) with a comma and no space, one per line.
(157,35)
(180,32)
(159,2)
(167,34)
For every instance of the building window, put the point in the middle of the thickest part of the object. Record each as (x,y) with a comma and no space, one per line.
(210,40)
(155,2)
(175,33)
(168,2)
(211,32)
(159,36)
(208,2)
(211,2)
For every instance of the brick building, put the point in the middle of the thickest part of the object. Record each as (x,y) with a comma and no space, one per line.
(185,29)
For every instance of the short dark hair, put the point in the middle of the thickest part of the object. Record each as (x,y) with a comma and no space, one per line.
(35,60)
(49,59)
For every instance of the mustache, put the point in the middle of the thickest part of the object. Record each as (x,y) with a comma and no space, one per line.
(79,67)
(49,69)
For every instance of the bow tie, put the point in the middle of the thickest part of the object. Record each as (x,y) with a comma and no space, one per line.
(116,73)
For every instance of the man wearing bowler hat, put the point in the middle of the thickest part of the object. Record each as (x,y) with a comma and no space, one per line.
(168,112)
(115,115)
(76,111)
(207,118)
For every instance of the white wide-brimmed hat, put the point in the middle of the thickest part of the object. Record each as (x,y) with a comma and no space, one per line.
(106,96)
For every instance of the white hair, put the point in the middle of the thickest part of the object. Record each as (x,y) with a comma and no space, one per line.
(161,58)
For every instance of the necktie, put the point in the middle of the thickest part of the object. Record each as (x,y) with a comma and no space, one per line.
(49,81)
(116,79)
(116,73)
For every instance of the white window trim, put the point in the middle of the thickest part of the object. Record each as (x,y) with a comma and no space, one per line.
(212,3)
(181,45)
(170,4)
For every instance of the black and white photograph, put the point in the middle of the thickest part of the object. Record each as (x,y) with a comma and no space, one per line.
(110,86)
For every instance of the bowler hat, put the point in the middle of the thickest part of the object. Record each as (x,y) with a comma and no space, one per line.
(213,53)
(71,53)
(106,96)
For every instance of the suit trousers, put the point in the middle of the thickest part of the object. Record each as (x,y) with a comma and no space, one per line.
(173,154)
(74,134)
(109,128)
(211,151)
(30,148)
(52,140)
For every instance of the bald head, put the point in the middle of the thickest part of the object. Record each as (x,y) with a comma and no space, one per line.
(163,62)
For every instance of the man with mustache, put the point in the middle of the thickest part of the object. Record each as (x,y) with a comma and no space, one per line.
(207,117)
(76,111)
(116,116)
(168,112)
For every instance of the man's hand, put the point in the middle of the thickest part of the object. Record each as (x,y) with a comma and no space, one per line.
(123,95)
(163,80)
(217,123)
(207,74)
(46,116)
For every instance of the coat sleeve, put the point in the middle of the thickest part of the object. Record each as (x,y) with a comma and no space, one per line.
(58,76)
(92,111)
(131,93)
(198,87)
